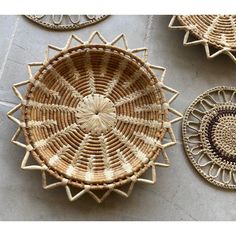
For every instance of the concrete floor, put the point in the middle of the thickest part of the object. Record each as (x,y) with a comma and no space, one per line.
(180,193)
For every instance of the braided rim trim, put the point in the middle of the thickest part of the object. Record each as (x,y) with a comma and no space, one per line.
(176,25)
(66,27)
(215,170)
(151,165)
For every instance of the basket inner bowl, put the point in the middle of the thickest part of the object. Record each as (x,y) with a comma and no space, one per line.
(93,115)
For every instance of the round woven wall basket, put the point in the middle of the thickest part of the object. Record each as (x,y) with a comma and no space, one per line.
(94,117)
(216,32)
(66,22)
(209,134)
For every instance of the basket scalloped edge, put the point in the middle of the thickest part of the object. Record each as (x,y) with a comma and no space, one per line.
(188,123)
(204,42)
(64,183)
(66,27)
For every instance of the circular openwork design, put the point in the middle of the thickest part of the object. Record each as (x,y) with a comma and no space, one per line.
(94,115)
(66,22)
(209,130)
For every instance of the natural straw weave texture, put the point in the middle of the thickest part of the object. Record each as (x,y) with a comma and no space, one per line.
(66,22)
(209,134)
(216,32)
(94,117)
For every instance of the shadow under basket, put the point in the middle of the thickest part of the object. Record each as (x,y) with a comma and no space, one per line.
(94,116)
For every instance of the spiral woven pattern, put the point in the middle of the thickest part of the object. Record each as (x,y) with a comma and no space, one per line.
(66,22)
(94,117)
(209,131)
(219,133)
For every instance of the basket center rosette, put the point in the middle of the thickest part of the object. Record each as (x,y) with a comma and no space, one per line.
(94,116)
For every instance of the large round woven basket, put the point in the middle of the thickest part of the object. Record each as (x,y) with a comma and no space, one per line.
(94,117)
(216,32)
(66,22)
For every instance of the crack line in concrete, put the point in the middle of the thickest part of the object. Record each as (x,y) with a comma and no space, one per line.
(148,31)
(9,47)
(7,104)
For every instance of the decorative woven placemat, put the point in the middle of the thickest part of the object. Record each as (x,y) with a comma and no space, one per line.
(209,135)
(94,117)
(216,32)
(66,22)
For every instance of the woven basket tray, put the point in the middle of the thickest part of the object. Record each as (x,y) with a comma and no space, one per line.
(66,22)
(216,32)
(209,131)
(94,117)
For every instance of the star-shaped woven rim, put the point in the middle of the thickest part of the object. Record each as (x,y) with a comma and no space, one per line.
(188,41)
(162,146)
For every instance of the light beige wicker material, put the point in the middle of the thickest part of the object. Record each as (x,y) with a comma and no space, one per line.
(66,22)
(209,135)
(94,117)
(216,32)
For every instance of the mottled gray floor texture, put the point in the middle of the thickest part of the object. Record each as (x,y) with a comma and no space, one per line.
(179,194)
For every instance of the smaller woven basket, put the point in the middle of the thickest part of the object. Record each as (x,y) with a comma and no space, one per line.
(94,117)
(216,32)
(209,134)
(66,22)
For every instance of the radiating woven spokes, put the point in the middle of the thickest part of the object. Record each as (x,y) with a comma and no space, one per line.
(95,116)
(209,133)
(217,33)
(66,22)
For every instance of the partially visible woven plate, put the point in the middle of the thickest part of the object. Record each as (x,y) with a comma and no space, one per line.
(94,117)
(209,135)
(66,22)
(213,31)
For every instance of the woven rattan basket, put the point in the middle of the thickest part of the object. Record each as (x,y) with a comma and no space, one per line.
(209,131)
(94,117)
(66,22)
(216,32)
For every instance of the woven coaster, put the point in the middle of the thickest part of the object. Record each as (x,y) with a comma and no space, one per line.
(94,117)
(216,32)
(209,134)
(66,22)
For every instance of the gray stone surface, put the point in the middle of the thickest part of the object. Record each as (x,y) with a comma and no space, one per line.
(8,25)
(180,193)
